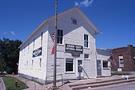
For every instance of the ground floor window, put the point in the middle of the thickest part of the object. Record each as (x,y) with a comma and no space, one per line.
(69,65)
(105,64)
(121,61)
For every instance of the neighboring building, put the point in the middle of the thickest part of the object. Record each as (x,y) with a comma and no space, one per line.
(103,62)
(76,46)
(123,58)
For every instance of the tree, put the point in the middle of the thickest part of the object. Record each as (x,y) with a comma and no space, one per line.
(2,65)
(10,54)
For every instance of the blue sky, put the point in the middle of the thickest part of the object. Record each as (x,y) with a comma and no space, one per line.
(115,19)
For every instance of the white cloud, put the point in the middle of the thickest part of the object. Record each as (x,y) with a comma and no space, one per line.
(12,33)
(9,33)
(76,4)
(85,3)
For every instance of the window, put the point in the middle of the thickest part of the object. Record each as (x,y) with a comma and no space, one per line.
(74,21)
(33,44)
(28,47)
(85,40)
(59,36)
(121,61)
(41,38)
(69,64)
(32,62)
(86,55)
(40,62)
(105,64)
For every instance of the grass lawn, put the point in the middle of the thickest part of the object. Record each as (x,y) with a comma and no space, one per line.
(10,83)
(119,73)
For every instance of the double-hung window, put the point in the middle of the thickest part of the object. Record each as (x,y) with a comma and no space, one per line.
(59,36)
(121,61)
(105,64)
(69,65)
(85,40)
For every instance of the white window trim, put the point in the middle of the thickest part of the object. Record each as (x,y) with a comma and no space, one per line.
(70,72)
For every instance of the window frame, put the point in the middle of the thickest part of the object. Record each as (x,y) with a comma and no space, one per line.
(86,41)
(86,57)
(67,71)
(121,61)
(107,64)
(59,36)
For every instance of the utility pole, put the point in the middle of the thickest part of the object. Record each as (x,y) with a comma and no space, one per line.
(55,46)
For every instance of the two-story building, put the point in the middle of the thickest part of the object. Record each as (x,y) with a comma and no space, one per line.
(123,58)
(75,46)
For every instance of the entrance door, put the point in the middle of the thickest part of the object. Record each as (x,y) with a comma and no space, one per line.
(79,64)
(79,70)
(99,67)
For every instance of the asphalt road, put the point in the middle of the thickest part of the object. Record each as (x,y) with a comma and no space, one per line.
(125,86)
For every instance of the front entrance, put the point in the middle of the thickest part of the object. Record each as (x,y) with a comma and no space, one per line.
(79,69)
(99,72)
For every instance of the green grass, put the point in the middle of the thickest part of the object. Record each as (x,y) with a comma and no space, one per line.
(10,83)
(119,73)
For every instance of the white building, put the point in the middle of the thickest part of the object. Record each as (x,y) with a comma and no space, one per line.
(76,46)
(103,62)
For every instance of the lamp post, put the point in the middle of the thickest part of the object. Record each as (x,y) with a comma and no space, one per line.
(55,45)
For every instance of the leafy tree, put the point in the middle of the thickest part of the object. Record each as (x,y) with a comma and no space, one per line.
(2,65)
(9,52)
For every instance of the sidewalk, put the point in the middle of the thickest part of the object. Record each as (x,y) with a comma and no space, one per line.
(36,86)
(2,85)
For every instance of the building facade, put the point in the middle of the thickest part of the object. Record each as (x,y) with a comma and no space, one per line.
(103,62)
(75,46)
(123,58)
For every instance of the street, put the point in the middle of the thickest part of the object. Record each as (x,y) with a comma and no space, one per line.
(125,86)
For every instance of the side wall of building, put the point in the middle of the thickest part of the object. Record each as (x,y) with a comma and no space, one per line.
(128,58)
(30,66)
(105,71)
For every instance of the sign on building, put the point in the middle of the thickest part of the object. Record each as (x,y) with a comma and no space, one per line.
(37,52)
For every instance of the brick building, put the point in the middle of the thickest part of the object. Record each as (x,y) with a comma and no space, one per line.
(123,58)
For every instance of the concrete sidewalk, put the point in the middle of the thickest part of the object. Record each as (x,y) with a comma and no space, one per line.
(36,86)
(2,85)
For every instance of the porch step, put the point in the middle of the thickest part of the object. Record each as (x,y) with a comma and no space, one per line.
(101,83)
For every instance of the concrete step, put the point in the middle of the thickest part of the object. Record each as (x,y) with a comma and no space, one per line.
(101,83)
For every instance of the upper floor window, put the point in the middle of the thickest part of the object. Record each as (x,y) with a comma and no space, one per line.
(41,38)
(33,44)
(85,40)
(74,21)
(59,36)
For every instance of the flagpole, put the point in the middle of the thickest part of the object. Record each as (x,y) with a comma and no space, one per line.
(55,46)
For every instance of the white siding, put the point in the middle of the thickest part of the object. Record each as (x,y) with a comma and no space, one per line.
(105,72)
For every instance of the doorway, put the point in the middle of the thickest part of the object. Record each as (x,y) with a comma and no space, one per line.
(99,72)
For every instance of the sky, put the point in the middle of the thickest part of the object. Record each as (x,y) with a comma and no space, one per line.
(115,19)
